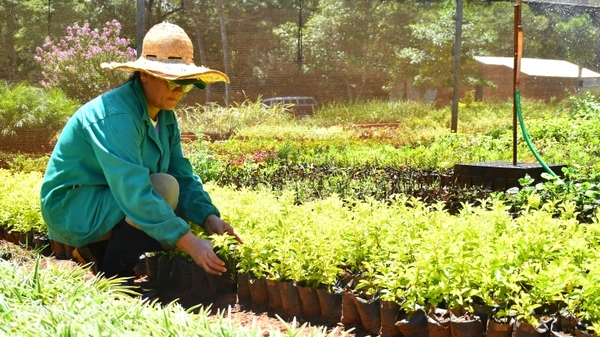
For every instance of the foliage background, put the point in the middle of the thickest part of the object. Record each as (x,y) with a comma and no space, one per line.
(331,49)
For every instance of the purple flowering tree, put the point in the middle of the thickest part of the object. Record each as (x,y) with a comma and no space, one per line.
(73,63)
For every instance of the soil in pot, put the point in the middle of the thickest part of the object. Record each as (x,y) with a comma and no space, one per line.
(413,324)
(389,314)
(273,294)
(258,290)
(290,299)
(310,301)
(466,326)
(438,323)
(370,317)
(330,303)
(243,291)
(350,314)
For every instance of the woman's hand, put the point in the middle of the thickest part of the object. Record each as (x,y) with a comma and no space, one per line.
(215,225)
(202,253)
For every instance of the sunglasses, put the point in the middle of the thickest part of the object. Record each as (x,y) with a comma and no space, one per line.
(172,85)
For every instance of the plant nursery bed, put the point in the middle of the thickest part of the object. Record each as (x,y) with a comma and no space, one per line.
(245,312)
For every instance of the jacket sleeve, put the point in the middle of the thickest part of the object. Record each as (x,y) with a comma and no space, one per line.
(116,142)
(195,203)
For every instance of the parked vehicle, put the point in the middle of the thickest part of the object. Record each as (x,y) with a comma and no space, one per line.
(299,105)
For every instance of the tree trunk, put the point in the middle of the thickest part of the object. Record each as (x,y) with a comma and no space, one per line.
(222,22)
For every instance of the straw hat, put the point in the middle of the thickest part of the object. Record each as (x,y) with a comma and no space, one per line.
(168,53)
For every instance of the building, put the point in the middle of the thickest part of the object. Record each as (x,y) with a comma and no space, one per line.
(540,79)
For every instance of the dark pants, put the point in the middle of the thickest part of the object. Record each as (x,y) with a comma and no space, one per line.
(119,255)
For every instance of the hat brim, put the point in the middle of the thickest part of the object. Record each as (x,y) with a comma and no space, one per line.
(173,71)
(196,82)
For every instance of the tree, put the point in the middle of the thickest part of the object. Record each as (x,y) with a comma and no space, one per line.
(352,41)
(578,39)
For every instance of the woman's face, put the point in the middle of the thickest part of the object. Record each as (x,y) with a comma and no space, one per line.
(158,94)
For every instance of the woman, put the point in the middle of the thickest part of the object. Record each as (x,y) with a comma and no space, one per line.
(117,184)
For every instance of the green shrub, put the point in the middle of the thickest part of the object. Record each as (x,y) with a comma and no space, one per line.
(23,162)
(30,116)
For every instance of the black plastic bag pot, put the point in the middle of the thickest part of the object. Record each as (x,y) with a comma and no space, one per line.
(42,244)
(152,266)
(228,280)
(175,275)
(26,239)
(199,280)
(164,270)
(370,317)
(389,314)
(273,294)
(466,326)
(59,250)
(523,328)
(350,314)
(213,282)
(310,301)
(258,290)
(483,311)
(12,236)
(562,326)
(69,251)
(185,273)
(330,303)
(290,299)
(243,290)
(438,323)
(413,324)
(499,328)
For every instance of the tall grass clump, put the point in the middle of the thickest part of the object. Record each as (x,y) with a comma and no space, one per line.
(376,111)
(31,114)
(230,119)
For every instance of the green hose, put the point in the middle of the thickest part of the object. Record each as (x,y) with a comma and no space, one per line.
(526,135)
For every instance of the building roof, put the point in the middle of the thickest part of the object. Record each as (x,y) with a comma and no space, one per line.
(540,67)
(583,3)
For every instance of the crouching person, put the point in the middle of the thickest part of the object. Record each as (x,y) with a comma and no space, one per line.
(117,183)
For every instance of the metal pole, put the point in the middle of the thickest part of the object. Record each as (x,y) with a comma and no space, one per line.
(518,28)
(140,21)
(456,67)
(300,24)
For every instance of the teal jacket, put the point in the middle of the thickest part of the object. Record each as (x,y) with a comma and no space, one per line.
(100,171)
